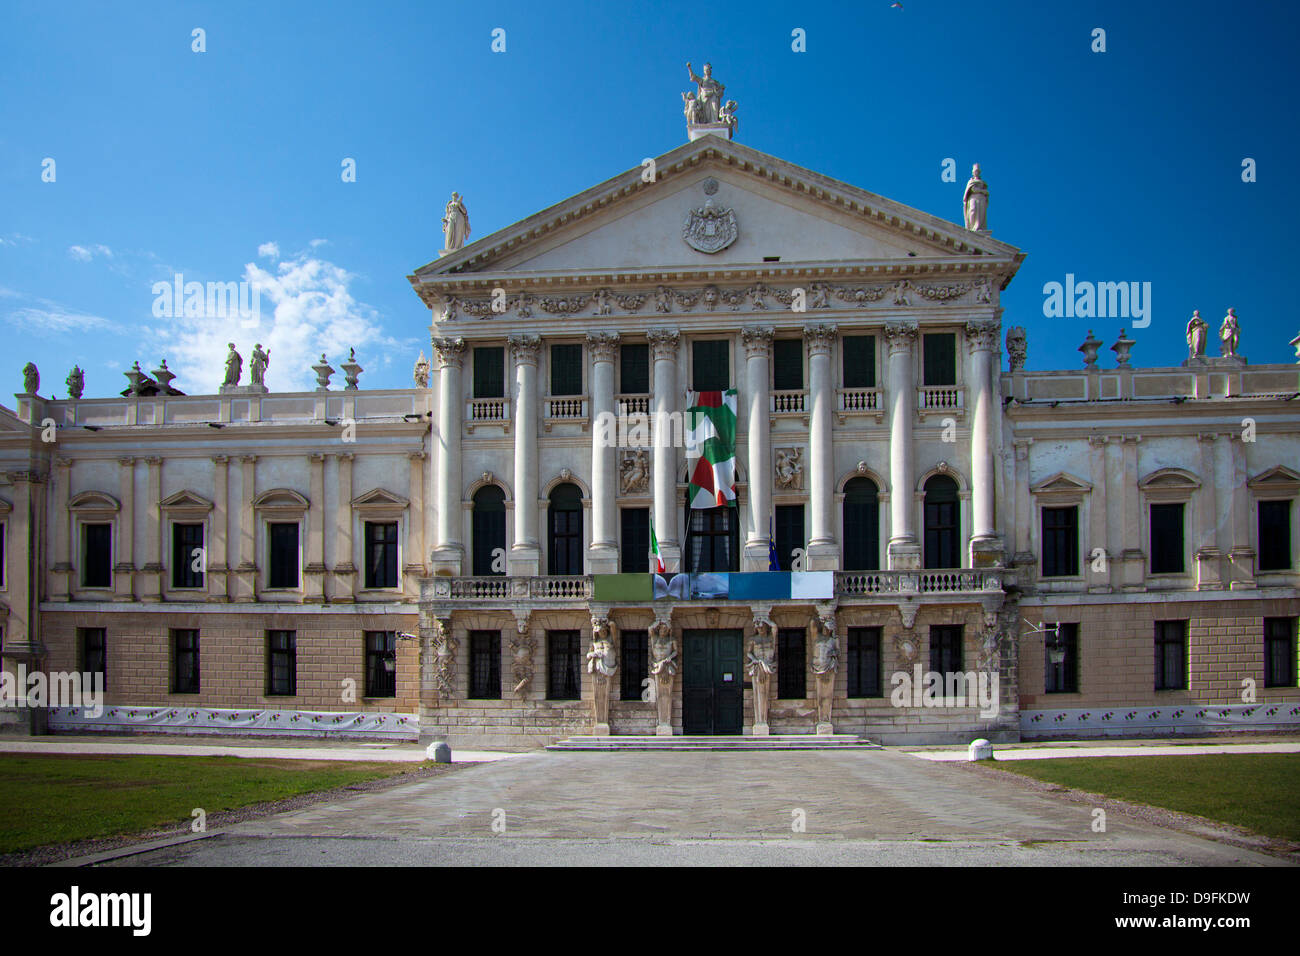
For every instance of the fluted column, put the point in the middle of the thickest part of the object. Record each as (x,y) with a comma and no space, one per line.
(449,551)
(603,558)
(663,346)
(982,345)
(904,548)
(823,553)
(757,341)
(526,552)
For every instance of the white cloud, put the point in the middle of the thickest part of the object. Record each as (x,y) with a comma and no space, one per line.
(269,250)
(86,253)
(306,308)
(15,239)
(46,315)
(318,242)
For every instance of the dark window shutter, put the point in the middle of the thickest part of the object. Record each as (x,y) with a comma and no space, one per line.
(1274,535)
(861,525)
(940,351)
(1171,655)
(186,539)
(97,557)
(712,539)
(1167,539)
(942,523)
(566,369)
(284,554)
(789,534)
(859,353)
(634,369)
(1279,652)
(634,666)
(565,518)
(562,679)
(636,540)
(489,371)
(1062,677)
(1060,542)
(791,663)
(863,660)
(485,665)
(946,649)
(710,365)
(488,528)
(787,364)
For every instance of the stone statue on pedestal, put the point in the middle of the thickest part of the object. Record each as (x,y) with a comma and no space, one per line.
(760,662)
(455,224)
(826,660)
(1229,335)
(31,379)
(663,667)
(234,366)
(257,363)
(708,96)
(975,201)
(601,665)
(1197,329)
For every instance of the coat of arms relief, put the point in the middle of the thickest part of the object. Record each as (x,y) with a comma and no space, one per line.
(710,228)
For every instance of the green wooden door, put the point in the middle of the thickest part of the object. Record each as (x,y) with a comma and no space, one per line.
(712,682)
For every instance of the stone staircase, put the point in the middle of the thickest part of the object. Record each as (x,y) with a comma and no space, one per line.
(623,742)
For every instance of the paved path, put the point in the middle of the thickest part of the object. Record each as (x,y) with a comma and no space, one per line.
(1177,750)
(278,750)
(699,808)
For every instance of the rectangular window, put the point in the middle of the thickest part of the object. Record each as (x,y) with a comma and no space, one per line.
(489,371)
(791,663)
(283,549)
(712,539)
(381,663)
(711,365)
(1274,535)
(1279,652)
(93,651)
(1061,542)
(789,534)
(945,649)
(863,661)
(1061,660)
(485,665)
(1171,655)
(185,662)
(562,654)
(566,369)
(187,555)
(859,355)
(97,555)
(634,650)
(634,369)
(1167,539)
(940,356)
(787,364)
(636,540)
(381,554)
(281,663)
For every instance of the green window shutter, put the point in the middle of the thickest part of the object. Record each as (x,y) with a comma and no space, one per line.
(940,358)
(634,369)
(711,365)
(566,369)
(489,371)
(787,364)
(859,353)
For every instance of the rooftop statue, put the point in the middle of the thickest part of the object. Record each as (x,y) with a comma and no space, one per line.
(708,96)
(31,379)
(1229,335)
(975,201)
(455,224)
(258,363)
(234,366)
(1197,328)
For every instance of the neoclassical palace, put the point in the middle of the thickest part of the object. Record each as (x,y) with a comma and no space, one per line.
(1109,549)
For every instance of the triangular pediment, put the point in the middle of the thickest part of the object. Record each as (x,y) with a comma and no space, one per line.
(784,214)
(1279,478)
(379,498)
(186,501)
(1061,483)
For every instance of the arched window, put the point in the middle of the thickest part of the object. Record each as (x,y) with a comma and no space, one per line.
(564,517)
(942,523)
(489,528)
(861,525)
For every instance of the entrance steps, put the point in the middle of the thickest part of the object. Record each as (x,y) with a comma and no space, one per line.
(734,742)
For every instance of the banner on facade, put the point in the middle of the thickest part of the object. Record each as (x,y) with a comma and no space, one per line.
(711,443)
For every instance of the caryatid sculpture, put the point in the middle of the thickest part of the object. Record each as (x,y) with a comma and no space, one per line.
(1229,335)
(760,662)
(601,665)
(826,660)
(1197,329)
(455,224)
(708,97)
(663,667)
(975,201)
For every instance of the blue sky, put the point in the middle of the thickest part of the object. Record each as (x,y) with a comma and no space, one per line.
(1116,166)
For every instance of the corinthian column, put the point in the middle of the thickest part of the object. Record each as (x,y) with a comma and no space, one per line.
(904,549)
(823,553)
(757,342)
(603,558)
(525,553)
(449,551)
(982,344)
(663,346)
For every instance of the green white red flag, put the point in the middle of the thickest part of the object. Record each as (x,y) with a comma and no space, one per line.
(654,550)
(711,441)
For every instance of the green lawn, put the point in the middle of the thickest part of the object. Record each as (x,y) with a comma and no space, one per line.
(1260,792)
(60,798)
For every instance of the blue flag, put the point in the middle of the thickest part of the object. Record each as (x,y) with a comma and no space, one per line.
(773,560)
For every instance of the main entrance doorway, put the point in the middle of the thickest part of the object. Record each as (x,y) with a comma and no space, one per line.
(713,682)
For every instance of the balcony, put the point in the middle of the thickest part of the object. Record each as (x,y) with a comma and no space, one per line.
(480,590)
(564,408)
(628,405)
(939,399)
(860,401)
(487,411)
(955,581)
(789,402)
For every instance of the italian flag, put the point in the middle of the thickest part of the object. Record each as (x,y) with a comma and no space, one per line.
(654,550)
(711,438)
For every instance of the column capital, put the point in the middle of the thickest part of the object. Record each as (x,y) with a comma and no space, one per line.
(524,348)
(602,345)
(449,352)
(220,459)
(900,336)
(820,338)
(248,459)
(757,340)
(982,336)
(126,462)
(663,343)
